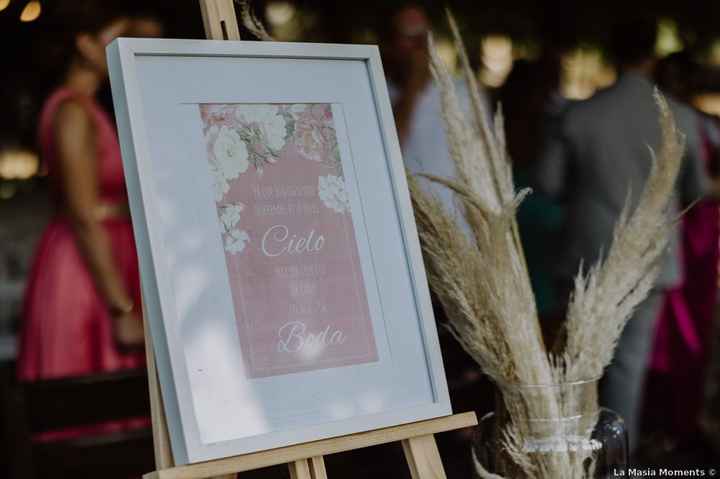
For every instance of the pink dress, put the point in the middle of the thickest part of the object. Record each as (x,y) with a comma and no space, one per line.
(681,345)
(67,330)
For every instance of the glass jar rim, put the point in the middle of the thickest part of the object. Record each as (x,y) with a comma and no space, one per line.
(517,385)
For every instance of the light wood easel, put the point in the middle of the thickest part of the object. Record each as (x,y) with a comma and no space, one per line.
(304,460)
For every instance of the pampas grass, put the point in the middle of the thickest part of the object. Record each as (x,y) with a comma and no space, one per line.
(605,296)
(502,285)
(251,22)
(483,283)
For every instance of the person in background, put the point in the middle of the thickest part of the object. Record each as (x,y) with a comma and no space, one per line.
(416,100)
(710,410)
(82,303)
(681,346)
(598,157)
(405,55)
(531,108)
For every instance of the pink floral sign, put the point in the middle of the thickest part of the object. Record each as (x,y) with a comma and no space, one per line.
(290,247)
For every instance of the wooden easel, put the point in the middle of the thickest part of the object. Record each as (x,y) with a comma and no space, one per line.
(304,460)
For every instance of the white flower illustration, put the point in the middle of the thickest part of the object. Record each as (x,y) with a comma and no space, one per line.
(235,241)
(234,238)
(332,192)
(270,122)
(220,183)
(230,215)
(230,153)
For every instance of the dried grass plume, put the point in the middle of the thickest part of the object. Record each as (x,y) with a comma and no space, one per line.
(483,283)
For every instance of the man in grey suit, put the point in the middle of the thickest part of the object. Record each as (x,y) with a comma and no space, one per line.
(599,157)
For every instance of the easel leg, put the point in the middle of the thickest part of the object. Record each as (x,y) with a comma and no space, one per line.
(423,457)
(313,468)
(300,469)
(317,467)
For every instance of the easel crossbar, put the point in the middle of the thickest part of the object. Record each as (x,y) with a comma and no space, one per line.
(323,447)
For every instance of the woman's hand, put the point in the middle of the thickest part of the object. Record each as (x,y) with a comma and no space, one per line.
(128,331)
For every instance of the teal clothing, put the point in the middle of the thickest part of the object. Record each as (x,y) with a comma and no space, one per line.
(540,219)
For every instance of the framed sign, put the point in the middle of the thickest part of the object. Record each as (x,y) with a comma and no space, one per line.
(281,271)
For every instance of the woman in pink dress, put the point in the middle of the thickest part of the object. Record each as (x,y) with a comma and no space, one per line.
(82,304)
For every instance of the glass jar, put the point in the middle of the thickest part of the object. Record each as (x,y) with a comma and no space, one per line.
(554,431)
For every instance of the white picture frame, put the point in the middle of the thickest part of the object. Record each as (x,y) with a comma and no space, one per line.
(167,95)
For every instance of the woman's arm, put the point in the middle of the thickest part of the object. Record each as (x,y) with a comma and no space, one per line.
(76,156)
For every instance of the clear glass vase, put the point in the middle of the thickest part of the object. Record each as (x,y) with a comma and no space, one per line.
(552,431)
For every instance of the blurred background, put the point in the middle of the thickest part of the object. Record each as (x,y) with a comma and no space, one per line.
(497,34)
(571,38)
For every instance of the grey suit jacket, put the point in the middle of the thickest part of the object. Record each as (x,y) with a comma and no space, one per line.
(599,155)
